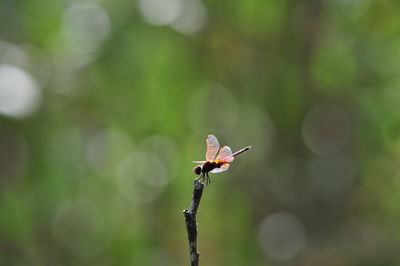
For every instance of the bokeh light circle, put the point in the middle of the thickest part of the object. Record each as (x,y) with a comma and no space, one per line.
(105,149)
(19,92)
(142,176)
(326,129)
(86,25)
(282,236)
(192,17)
(213,107)
(78,225)
(160,12)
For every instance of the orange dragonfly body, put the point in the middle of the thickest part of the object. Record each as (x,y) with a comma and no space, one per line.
(217,159)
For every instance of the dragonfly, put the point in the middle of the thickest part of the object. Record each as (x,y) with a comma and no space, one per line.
(217,159)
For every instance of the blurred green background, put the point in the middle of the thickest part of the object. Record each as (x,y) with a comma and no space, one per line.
(104,105)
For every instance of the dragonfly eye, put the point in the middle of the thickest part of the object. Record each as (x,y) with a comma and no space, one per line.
(197,170)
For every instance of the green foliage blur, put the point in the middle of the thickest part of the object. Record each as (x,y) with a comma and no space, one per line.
(105,104)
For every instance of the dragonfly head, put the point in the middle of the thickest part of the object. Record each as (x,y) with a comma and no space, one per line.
(197,170)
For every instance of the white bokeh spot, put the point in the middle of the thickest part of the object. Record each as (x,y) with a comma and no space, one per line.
(282,236)
(160,12)
(192,17)
(19,92)
(86,25)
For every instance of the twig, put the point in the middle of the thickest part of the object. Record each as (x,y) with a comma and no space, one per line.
(191,225)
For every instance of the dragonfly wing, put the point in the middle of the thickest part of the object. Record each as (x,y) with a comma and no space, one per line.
(212,147)
(223,167)
(199,162)
(225,154)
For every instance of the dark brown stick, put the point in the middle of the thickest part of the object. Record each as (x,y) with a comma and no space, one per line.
(191,225)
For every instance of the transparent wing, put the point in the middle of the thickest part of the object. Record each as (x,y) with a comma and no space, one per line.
(212,147)
(225,154)
(223,167)
(199,161)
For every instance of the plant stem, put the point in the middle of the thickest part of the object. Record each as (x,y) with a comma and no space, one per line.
(191,225)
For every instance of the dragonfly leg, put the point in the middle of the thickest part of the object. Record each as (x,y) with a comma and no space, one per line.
(202,178)
(208,179)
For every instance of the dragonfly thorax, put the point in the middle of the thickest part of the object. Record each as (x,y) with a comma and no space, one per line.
(209,166)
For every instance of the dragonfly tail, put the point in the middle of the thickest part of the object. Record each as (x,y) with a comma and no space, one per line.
(242,150)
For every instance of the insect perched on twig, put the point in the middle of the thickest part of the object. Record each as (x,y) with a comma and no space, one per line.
(217,159)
